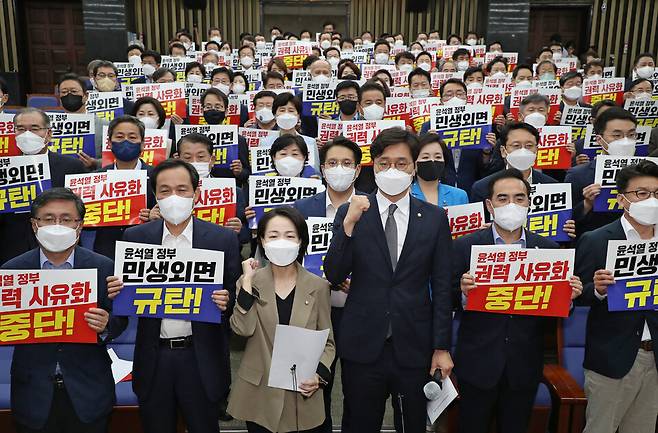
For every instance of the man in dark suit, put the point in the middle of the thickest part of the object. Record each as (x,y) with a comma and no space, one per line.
(126,133)
(63,387)
(621,380)
(340,162)
(614,125)
(396,325)
(503,383)
(16,229)
(178,364)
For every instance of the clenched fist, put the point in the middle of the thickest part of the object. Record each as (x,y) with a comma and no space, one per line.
(358,205)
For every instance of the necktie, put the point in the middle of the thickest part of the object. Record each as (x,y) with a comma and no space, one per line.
(391,233)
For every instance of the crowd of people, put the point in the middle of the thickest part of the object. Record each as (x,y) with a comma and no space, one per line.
(393,275)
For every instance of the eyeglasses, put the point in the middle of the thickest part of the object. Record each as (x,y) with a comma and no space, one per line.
(619,136)
(34,129)
(104,75)
(333,164)
(643,194)
(65,220)
(400,164)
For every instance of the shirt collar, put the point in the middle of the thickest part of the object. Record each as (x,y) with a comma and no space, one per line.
(631,233)
(507,166)
(187,232)
(138,166)
(498,240)
(383,203)
(43,259)
(328,202)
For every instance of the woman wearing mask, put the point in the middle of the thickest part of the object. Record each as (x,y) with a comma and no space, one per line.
(225,48)
(150,112)
(430,172)
(195,72)
(349,71)
(284,293)
(424,61)
(278,66)
(239,84)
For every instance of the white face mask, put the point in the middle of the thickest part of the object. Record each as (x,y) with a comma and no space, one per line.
(281,252)
(260,44)
(135,60)
(471,41)
(474,85)
(521,159)
(547,76)
(399,42)
(557,57)
(420,93)
(194,78)
(499,75)
(306,39)
(247,61)
(511,216)
(622,147)
(210,67)
(149,122)
(455,101)
(203,168)
(462,65)
(224,88)
(406,67)
(325,44)
(415,52)
(573,93)
(30,143)
(381,58)
(56,238)
(594,77)
(645,72)
(425,66)
(339,178)
(393,181)
(642,96)
(265,115)
(238,89)
(535,119)
(286,121)
(176,209)
(333,61)
(289,166)
(187,46)
(524,84)
(148,69)
(373,112)
(216,39)
(321,79)
(645,212)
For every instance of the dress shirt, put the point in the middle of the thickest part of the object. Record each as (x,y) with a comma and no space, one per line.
(401,215)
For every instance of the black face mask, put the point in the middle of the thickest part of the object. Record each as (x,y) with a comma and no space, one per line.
(71,102)
(347,107)
(349,77)
(430,170)
(214,117)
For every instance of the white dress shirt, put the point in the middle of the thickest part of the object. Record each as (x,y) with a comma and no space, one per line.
(173,328)
(330,208)
(633,235)
(401,215)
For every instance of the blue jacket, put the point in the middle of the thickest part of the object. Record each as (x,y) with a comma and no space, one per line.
(315,206)
(448,195)
(86,368)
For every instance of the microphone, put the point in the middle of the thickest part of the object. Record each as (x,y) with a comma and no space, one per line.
(432,389)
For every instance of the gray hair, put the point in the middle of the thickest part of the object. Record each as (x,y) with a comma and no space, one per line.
(29,110)
(535,98)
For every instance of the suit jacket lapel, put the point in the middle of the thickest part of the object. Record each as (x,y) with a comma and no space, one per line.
(304,298)
(79,259)
(374,223)
(269,316)
(617,230)
(198,235)
(413,229)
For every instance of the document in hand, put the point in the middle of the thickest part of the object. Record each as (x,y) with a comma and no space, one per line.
(447,395)
(296,355)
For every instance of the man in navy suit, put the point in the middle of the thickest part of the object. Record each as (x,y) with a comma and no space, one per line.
(178,364)
(340,162)
(621,378)
(16,229)
(505,380)
(614,126)
(397,322)
(63,387)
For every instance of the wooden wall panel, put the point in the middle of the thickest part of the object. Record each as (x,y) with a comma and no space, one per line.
(8,47)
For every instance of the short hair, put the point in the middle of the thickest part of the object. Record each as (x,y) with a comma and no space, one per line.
(346,40)
(150,53)
(568,76)
(331,49)
(371,86)
(510,173)
(343,142)
(433,138)
(212,29)
(515,126)
(216,92)
(615,113)
(603,103)
(547,62)
(272,76)
(544,50)
(158,108)
(4,87)
(28,110)
(161,72)
(452,81)
(248,47)
(196,137)
(57,193)
(631,84)
(134,47)
(420,72)
(275,28)
(193,65)
(297,220)
(349,64)
(240,74)
(535,98)
(497,59)
(473,70)
(460,52)
(516,70)
(286,140)
(630,172)
(176,45)
(392,136)
(105,64)
(264,94)
(278,62)
(404,55)
(284,98)
(494,43)
(381,42)
(309,60)
(348,84)
(385,72)
(222,70)
(172,163)
(72,77)
(645,54)
(425,53)
(213,43)
(381,84)
(126,118)
(453,35)
(329,23)
(591,64)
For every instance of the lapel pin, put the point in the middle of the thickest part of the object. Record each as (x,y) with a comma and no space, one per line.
(420,215)
(306,303)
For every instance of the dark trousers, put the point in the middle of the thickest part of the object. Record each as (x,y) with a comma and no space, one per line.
(252,427)
(63,419)
(367,387)
(177,385)
(327,426)
(510,407)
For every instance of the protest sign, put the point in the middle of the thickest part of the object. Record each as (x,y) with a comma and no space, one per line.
(293,53)
(599,89)
(552,152)
(193,92)
(268,192)
(550,208)
(156,147)
(72,134)
(578,118)
(492,97)
(170,95)
(319,99)
(105,105)
(644,110)
(363,132)
(397,108)
(224,139)
(420,110)
(8,136)
(217,201)
(128,72)
(255,136)
(462,127)
(329,129)
(605,174)
(22,179)
(465,218)
(319,235)
(634,266)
